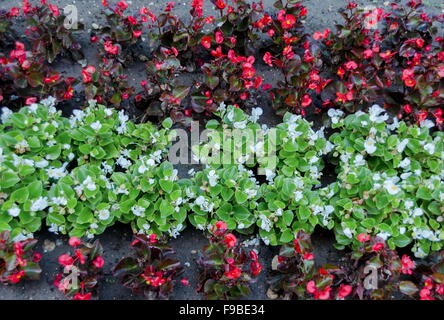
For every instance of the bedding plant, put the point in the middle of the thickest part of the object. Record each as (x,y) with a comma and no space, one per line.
(81,270)
(18,261)
(389,181)
(83,173)
(150,270)
(226,268)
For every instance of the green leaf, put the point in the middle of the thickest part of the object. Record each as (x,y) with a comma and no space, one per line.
(8,179)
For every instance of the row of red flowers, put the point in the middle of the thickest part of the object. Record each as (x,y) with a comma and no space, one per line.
(227,269)
(391,54)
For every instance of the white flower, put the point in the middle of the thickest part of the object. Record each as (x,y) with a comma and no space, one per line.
(348,233)
(426,124)
(48,102)
(89,183)
(383,235)
(59,201)
(375,114)
(22,146)
(370,145)
(14,211)
(103,214)
(96,125)
(405,163)
(255,114)
(391,187)
(359,160)
(417,212)
(298,195)
(6,113)
(39,204)
(123,162)
(251,193)
(335,115)
(401,146)
(430,148)
(138,211)
(212,178)
(56,173)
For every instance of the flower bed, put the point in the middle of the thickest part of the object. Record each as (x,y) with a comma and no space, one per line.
(79,175)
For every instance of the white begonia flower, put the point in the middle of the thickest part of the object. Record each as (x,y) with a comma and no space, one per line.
(96,125)
(255,114)
(426,124)
(383,235)
(56,173)
(48,102)
(123,162)
(89,184)
(103,214)
(266,223)
(359,160)
(430,148)
(14,211)
(370,145)
(408,204)
(375,114)
(138,211)
(298,195)
(212,178)
(39,204)
(401,146)
(22,146)
(59,201)
(405,163)
(348,233)
(335,115)
(108,112)
(417,212)
(391,187)
(251,193)
(6,113)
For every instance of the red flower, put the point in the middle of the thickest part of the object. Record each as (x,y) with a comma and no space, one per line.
(308,256)
(350,65)
(14,12)
(98,262)
(80,256)
(410,82)
(30,101)
(268,59)
(221,225)
(256,268)
(16,277)
(66,260)
(407,265)
(206,42)
(219,37)
(306,101)
(74,242)
(311,287)
(79,296)
(220,4)
(407,108)
(110,48)
(185,282)
(123,5)
(288,22)
(153,238)
(137,33)
(230,240)
(362,237)
(197,6)
(36,257)
(323,294)
(87,77)
(55,10)
(344,291)
(233,273)
(377,247)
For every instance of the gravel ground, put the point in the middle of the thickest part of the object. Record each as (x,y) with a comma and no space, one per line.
(322,14)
